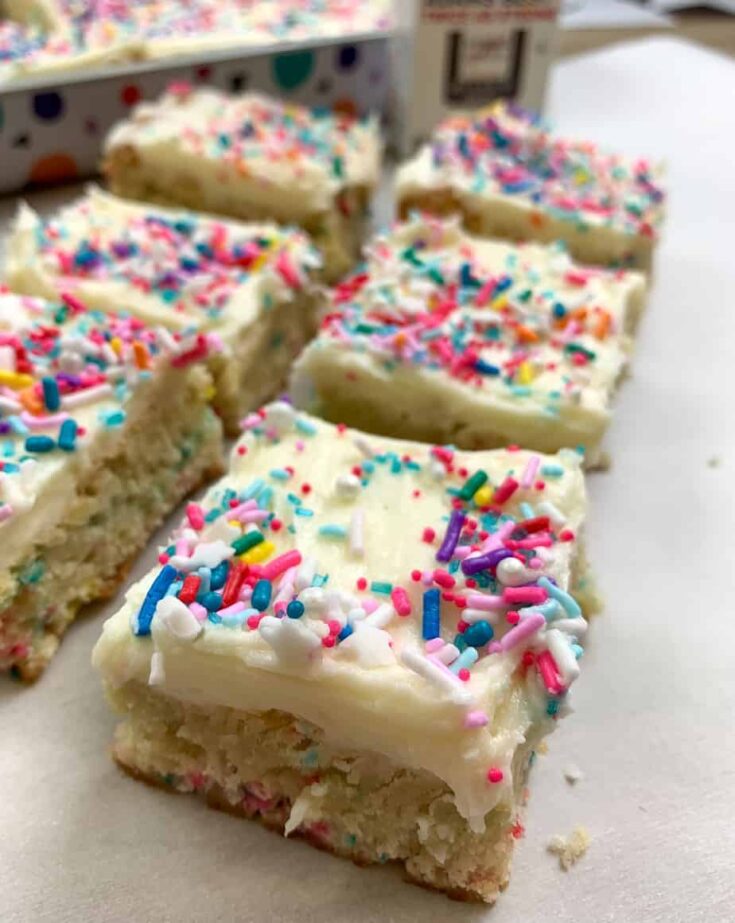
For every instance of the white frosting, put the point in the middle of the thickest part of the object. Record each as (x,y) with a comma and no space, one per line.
(270,156)
(212,295)
(377,689)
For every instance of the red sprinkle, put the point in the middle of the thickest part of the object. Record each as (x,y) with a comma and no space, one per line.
(494,775)
(361,583)
(443,578)
(428,535)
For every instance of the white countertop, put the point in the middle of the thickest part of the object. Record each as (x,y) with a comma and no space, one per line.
(654,731)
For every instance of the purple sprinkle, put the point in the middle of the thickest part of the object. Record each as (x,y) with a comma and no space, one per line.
(451,536)
(488,561)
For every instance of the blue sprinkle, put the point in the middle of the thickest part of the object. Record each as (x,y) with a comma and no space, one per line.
(39,444)
(465,660)
(51,397)
(305,426)
(211,601)
(345,633)
(68,435)
(214,618)
(485,368)
(302,511)
(330,530)
(280,474)
(253,489)
(155,594)
(261,597)
(552,471)
(219,575)
(295,609)
(17,425)
(479,633)
(112,418)
(206,577)
(431,623)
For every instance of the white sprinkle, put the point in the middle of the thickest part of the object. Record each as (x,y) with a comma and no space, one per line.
(481,615)
(293,640)
(178,619)
(563,655)
(370,646)
(8,405)
(347,485)
(511,572)
(157,675)
(547,508)
(281,416)
(448,654)
(313,598)
(437,676)
(364,446)
(357,528)
(7,358)
(380,617)
(305,574)
(87,396)
(165,340)
(576,627)
(437,470)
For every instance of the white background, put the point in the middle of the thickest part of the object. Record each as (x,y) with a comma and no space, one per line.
(654,730)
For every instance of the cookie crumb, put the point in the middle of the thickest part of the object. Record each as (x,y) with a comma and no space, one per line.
(542,748)
(714,461)
(569,849)
(573,774)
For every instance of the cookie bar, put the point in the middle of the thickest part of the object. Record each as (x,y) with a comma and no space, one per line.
(249,284)
(508,176)
(105,427)
(451,339)
(252,158)
(360,641)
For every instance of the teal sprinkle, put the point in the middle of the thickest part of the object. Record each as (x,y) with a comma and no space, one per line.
(310,758)
(280,474)
(527,511)
(520,390)
(17,425)
(112,418)
(577,650)
(293,499)
(305,426)
(40,444)
(552,471)
(412,465)
(68,435)
(8,450)
(265,498)
(350,839)
(330,530)
(368,466)
(320,580)
(379,586)
(253,489)
(303,511)
(552,707)
(32,574)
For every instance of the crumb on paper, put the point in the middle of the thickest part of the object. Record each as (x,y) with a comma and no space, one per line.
(569,849)
(543,748)
(714,461)
(573,774)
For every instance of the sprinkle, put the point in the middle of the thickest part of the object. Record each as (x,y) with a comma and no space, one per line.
(505,491)
(479,634)
(259,553)
(472,485)
(523,630)
(330,530)
(195,515)
(155,594)
(261,597)
(466,659)
(401,602)
(68,435)
(475,719)
(567,601)
(529,472)
(494,775)
(437,675)
(380,586)
(524,595)
(451,536)
(431,618)
(488,561)
(549,672)
(357,528)
(39,444)
(295,609)
(282,563)
(247,541)
(50,394)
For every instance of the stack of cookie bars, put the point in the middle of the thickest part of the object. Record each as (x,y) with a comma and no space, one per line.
(361,633)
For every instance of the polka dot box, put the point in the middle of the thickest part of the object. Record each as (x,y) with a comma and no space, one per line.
(50,132)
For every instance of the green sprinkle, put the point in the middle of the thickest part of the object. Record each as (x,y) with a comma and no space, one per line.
(247,541)
(578,348)
(472,485)
(380,586)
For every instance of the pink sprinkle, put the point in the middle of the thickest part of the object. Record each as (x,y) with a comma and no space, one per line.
(434,645)
(198,611)
(6,511)
(278,565)
(486,603)
(401,602)
(475,719)
(35,422)
(182,548)
(530,625)
(369,605)
(524,595)
(71,301)
(530,471)
(287,270)
(241,508)
(498,539)
(549,671)
(195,515)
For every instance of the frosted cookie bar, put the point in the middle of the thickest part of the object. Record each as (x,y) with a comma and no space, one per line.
(508,176)
(252,158)
(448,338)
(104,428)
(248,284)
(360,641)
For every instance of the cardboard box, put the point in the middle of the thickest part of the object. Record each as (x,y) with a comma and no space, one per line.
(53,131)
(456,55)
